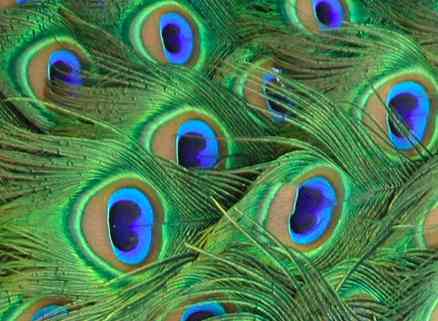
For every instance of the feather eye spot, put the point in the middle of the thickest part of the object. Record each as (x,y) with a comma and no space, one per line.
(410,104)
(50,311)
(329,13)
(177,38)
(168,33)
(199,309)
(130,222)
(197,145)
(51,64)
(65,66)
(118,225)
(314,204)
(203,311)
(263,87)
(39,309)
(305,212)
(278,105)
(401,113)
(188,138)
(318,15)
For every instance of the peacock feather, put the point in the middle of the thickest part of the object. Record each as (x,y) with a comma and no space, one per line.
(235,160)
(163,111)
(188,33)
(71,185)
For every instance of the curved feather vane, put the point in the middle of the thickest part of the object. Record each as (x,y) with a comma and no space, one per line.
(209,160)
(165,113)
(416,212)
(233,285)
(312,17)
(416,19)
(188,33)
(38,48)
(74,211)
(307,198)
(390,284)
(391,91)
(311,204)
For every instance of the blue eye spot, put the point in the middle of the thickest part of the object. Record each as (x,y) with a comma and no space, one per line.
(314,205)
(23,1)
(203,311)
(197,145)
(50,311)
(410,103)
(329,13)
(277,104)
(64,65)
(130,224)
(177,38)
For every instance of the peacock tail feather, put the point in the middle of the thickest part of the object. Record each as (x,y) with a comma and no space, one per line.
(187,160)
(174,122)
(188,33)
(37,47)
(298,184)
(54,192)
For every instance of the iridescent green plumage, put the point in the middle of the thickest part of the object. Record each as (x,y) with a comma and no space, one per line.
(129,21)
(155,103)
(27,34)
(49,184)
(174,160)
